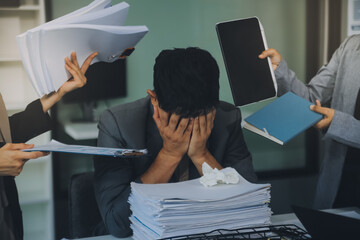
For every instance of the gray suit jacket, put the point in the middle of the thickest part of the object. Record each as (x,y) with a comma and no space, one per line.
(131,126)
(336,86)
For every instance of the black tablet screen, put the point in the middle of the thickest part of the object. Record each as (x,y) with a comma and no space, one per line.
(249,76)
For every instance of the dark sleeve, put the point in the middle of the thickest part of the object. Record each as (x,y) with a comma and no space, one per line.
(29,123)
(112,180)
(237,154)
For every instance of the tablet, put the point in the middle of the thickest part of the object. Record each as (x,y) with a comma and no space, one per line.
(251,79)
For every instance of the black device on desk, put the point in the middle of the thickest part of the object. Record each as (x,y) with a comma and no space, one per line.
(327,226)
(104,81)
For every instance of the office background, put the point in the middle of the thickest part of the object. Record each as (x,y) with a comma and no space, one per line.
(296,28)
(305,32)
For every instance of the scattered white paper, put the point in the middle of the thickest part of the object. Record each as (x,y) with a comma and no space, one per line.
(212,177)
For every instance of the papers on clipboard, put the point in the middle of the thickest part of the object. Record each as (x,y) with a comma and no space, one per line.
(55,146)
(97,27)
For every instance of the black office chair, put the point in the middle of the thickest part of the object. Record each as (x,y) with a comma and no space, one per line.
(84,214)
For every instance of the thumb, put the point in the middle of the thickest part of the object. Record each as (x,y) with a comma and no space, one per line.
(318,108)
(18,146)
(265,53)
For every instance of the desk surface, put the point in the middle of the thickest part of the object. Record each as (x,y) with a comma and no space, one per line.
(289,218)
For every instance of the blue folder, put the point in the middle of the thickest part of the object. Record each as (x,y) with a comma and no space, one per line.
(283,119)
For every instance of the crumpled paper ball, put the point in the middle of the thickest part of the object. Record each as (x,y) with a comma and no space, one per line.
(212,177)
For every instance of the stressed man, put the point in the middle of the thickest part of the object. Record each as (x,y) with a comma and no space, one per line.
(181,122)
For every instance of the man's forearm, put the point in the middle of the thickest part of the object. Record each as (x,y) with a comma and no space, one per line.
(161,169)
(209,159)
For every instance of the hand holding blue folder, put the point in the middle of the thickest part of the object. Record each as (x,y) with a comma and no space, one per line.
(283,119)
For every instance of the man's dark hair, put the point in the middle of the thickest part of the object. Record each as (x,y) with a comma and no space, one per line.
(186,81)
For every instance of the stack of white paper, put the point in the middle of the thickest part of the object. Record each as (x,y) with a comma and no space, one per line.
(97,27)
(175,209)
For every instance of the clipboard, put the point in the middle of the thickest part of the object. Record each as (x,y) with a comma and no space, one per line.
(55,146)
(251,79)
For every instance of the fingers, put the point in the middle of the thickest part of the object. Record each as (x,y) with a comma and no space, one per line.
(78,78)
(196,126)
(202,124)
(271,52)
(173,122)
(210,117)
(72,65)
(30,155)
(206,123)
(275,57)
(164,118)
(318,108)
(327,112)
(17,146)
(174,125)
(74,59)
(190,127)
(70,68)
(87,62)
(18,154)
(156,117)
(182,126)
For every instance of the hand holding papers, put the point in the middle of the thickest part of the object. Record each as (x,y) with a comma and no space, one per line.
(55,146)
(174,209)
(94,28)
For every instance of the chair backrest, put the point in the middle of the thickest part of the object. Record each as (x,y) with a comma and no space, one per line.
(84,214)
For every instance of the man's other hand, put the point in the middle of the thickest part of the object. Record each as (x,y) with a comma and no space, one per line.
(201,131)
(175,132)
